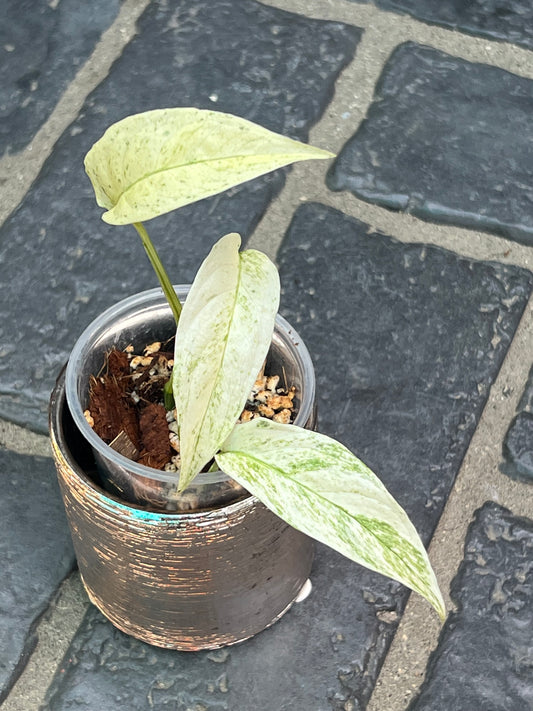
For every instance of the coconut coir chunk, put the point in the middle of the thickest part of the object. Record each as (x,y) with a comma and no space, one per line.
(142,420)
(118,365)
(112,410)
(154,436)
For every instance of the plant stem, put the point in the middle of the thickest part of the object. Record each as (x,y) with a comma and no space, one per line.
(159,269)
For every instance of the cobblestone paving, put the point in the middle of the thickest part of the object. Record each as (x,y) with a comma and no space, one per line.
(445,140)
(64,246)
(509,21)
(406,268)
(36,554)
(42,45)
(405,363)
(518,443)
(493,591)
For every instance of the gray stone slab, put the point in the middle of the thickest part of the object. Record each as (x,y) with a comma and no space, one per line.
(484,659)
(42,46)
(507,20)
(518,447)
(35,555)
(448,141)
(526,401)
(518,442)
(406,340)
(230,56)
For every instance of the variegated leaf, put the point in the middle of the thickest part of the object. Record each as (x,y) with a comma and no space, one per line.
(154,162)
(319,487)
(223,337)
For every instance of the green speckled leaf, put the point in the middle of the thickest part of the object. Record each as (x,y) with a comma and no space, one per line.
(319,487)
(223,337)
(154,162)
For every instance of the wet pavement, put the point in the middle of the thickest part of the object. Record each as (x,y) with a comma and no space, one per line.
(405,266)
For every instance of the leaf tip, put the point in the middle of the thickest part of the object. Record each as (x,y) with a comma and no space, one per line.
(441,611)
(111,217)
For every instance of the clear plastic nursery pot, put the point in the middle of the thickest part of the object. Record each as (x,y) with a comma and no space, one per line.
(140,320)
(185,580)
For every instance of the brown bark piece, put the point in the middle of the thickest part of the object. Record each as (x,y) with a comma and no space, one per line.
(112,410)
(156,450)
(118,364)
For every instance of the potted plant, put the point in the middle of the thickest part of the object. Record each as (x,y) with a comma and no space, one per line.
(217,574)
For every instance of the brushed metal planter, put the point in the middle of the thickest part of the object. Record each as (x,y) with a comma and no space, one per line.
(182,580)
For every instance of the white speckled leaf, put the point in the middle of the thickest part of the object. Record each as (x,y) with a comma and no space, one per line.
(319,487)
(223,337)
(154,162)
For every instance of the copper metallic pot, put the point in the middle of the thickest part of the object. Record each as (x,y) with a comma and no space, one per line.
(182,580)
(185,581)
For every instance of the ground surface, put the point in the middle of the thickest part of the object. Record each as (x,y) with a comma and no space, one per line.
(406,267)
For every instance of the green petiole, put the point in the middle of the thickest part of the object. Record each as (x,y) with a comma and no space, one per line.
(159,269)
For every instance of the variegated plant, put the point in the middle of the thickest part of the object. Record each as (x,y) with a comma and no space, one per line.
(154,162)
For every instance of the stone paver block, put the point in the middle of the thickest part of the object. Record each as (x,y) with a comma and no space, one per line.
(526,401)
(35,555)
(42,46)
(70,265)
(448,141)
(406,340)
(518,447)
(518,442)
(507,20)
(484,659)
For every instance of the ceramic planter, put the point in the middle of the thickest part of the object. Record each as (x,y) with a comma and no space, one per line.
(183,580)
